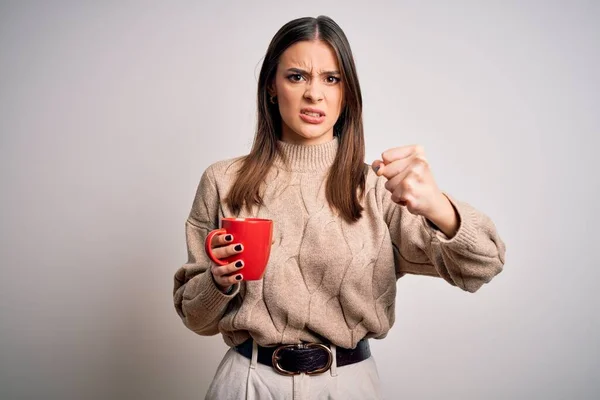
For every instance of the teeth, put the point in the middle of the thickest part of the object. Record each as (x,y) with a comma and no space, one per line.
(312,114)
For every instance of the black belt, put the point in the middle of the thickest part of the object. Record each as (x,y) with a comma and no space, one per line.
(309,358)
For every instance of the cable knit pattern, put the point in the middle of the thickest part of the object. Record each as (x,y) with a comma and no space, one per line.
(326,280)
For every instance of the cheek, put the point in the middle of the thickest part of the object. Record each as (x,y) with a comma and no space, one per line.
(336,100)
(284,98)
(286,107)
(288,102)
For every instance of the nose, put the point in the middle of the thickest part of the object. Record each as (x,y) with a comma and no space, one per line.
(313,92)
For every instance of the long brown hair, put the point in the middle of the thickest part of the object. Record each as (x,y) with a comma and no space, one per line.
(346,180)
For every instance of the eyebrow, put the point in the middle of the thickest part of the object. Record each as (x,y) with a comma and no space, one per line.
(301,71)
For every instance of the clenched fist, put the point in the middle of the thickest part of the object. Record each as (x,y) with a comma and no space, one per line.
(411,184)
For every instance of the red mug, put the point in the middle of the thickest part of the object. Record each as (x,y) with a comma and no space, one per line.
(255,234)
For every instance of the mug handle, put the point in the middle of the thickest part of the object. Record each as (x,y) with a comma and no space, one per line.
(208,249)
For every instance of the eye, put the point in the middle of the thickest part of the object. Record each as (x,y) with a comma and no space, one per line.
(333,79)
(295,77)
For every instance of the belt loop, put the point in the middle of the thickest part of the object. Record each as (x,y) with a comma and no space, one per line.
(333,367)
(254,354)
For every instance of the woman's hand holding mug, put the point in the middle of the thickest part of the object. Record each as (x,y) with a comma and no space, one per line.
(222,247)
(253,236)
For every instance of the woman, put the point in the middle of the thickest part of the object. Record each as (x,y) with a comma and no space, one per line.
(344,233)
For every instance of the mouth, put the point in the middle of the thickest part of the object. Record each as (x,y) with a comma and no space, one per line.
(312,112)
(312,116)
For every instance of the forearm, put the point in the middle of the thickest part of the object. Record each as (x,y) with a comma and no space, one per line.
(201,304)
(470,256)
(474,255)
(444,216)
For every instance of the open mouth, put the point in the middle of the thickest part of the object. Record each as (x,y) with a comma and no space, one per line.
(312,114)
(312,117)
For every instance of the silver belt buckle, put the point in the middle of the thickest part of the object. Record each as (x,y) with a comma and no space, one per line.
(276,357)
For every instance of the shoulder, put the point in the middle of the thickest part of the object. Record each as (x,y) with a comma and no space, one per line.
(219,174)
(224,169)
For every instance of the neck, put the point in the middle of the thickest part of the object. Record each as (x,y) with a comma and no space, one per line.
(305,157)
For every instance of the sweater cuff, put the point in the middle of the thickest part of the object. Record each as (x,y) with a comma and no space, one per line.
(209,293)
(466,235)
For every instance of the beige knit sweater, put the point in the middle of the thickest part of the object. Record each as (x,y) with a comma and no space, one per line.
(326,280)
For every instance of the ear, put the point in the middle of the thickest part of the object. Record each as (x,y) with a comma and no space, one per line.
(272,89)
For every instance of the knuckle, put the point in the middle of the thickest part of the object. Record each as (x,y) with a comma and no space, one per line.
(389,185)
(420,159)
(229,251)
(224,270)
(216,271)
(218,253)
(223,252)
(416,173)
(419,164)
(407,185)
(397,194)
(419,167)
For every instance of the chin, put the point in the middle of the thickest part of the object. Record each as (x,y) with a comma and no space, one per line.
(312,132)
(312,137)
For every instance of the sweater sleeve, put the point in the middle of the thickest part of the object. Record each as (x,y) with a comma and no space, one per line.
(198,300)
(472,257)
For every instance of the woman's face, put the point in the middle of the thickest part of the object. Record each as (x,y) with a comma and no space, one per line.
(309,92)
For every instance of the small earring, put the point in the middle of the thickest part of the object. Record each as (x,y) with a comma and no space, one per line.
(272,100)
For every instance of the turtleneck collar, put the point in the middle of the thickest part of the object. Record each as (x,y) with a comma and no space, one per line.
(303,158)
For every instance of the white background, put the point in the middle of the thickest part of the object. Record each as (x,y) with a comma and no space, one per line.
(111,111)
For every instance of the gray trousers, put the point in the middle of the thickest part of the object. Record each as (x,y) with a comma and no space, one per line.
(240,378)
